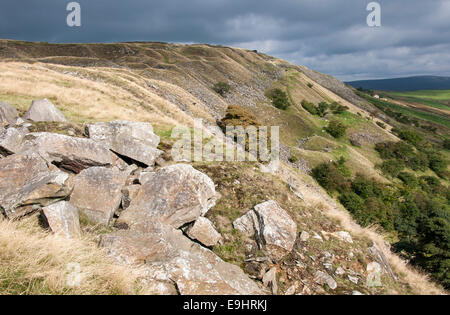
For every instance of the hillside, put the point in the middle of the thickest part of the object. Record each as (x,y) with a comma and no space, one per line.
(328,249)
(404,84)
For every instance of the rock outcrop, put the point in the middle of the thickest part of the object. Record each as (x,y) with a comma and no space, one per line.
(134,140)
(97,193)
(70,153)
(8,114)
(203,231)
(44,110)
(63,219)
(175,195)
(26,183)
(11,140)
(273,229)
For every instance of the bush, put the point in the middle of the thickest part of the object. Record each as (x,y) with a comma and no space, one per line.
(310,85)
(279,98)
(392,167)
(382,125)
(409,136)
(221,88)
(293,159)
(410,180)
(336,129)
(322,109)
(337,108)
(309,107)
(328,176)
(446,144)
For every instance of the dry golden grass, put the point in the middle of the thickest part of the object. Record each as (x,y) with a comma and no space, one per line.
(33,261)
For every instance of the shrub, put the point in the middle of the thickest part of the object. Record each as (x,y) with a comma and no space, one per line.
(392,167)
(279,98)
(336,129)
(446,144)
(293,159)
(337,108)
(322,109)
(309,107)
(329,177)
(408,179)
(310,85)
(409,136)
(221,88)
(382,125)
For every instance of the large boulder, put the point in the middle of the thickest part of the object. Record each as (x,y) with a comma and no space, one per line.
(97,193)
(203,231)
(44,110)
(74,154)
(8,114)
(63,219)
(11,140)
(273,228)
(175,195)
(26,184)
(134,140)
(173,257)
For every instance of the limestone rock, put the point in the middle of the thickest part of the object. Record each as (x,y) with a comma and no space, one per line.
(382,260)
(26,184)
(304,236)
(11,140)
(324,278)
(344,236)
(273,229)
(134,140)
(176,195)
(128,194)
(204,232)
(74,154)
(44,110)
(97,193)
(195,269)
(8,114)
(270,280)
(63,219)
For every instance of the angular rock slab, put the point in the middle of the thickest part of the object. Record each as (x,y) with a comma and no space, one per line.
(11,140)
(8,114)
(26,184)
(74,154)
(63,219)
(203,231)
(97,193)
(44,110)
(273,228)
(172,256)
(175,195)
(134,140)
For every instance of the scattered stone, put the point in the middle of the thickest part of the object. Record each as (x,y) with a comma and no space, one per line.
(8,114)
(26,184)
(357,293)
(353,279)
(270,280)
(273,229)
(73,154)
(44,110)
(382,260)
(304,236)
(324,278)
(204,232)
(343,236)
(144,177)
(176,195)
(63,219)
(290,290)
(97,193)
(134,140)
(340,271)
(317,237)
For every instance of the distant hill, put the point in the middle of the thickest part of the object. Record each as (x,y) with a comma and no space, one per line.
(405,84)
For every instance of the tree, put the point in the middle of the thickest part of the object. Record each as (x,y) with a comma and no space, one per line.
(336,129)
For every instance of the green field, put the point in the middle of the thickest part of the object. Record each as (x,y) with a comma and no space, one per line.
(433,98)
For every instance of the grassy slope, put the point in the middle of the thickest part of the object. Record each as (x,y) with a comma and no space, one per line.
(86,92)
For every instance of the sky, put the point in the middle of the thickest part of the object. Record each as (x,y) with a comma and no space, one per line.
(330,36)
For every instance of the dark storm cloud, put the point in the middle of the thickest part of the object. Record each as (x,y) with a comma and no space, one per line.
(327,35)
